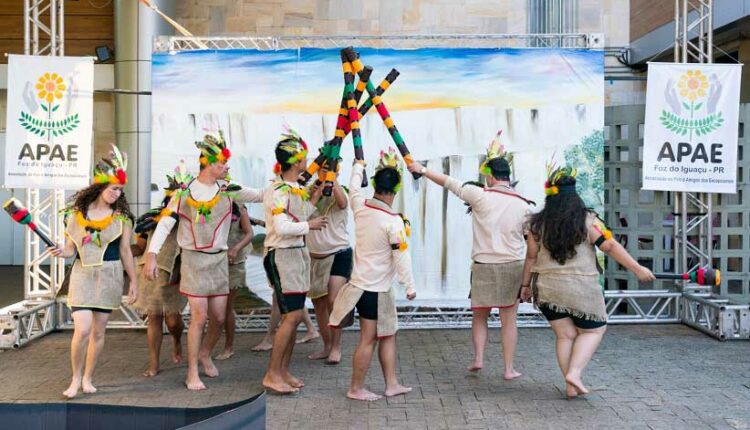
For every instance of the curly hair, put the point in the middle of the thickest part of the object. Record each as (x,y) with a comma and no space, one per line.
(81,201)
(561,225)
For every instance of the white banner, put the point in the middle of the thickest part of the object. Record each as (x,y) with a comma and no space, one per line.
(49,122)
(690,136)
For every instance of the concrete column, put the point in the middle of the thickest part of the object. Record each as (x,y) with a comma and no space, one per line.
(135,27)
(744,58)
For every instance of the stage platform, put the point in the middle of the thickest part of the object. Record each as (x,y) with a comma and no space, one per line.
(643,377)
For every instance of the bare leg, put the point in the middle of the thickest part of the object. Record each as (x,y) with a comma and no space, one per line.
(82,322)
(387,356)
(217,309)
(274,379)
(175,327)
(509,333)
(312,332)
(295,318)
(198,317)
(584,348)
(229,327)
(96,343)
(154,335)
(321,316)
(273,323)
(478,337)
(334,285)
(565,335)
(361,362)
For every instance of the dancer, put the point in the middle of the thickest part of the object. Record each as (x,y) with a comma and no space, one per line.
(331,262)
(381,254)
(498,215)
(160,299)
(98,233)
(204,207)
(562,268)
(287,260)
(240,235)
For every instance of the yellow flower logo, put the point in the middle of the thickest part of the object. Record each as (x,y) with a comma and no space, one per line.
(692,85)
(50,87)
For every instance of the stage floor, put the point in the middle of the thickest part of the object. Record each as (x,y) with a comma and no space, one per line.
(669,377)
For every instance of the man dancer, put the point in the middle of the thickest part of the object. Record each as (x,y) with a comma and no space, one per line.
(331,262)
(287,260)
(204,207)
(498,215)
(380,255)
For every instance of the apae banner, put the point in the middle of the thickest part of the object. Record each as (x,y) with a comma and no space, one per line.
(690,136)
(49,122)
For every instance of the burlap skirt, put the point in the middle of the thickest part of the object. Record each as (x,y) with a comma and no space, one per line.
(292,266)
(237,276)
(159,296)
(342,315)
(495,285)
(578,295)
(204,275)
(96,286)
(320,274)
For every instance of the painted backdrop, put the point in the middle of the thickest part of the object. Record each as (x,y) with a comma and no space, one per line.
(447,103)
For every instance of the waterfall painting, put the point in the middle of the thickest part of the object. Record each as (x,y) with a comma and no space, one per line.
(447,103)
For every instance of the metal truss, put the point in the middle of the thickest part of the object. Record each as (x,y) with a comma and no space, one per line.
(182,43)
(692,227)
(45,17)
(24,321)
(716,316)
(642,306)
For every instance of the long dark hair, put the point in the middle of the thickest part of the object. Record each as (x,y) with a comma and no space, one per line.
(561,225)
(81,200)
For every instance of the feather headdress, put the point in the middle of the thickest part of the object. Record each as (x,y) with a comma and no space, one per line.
(111,169)
(495,150)
(554,174)
(213,148)
(293,144)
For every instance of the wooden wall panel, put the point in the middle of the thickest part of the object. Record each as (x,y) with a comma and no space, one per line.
(647,15)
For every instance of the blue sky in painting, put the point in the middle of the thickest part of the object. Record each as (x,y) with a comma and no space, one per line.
(310,80)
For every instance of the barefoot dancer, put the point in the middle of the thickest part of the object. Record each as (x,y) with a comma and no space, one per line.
(331,262)
(498,215)
(380,256)
(273,324)
(99,229)
(561,264)
(204,207)
(160,299)
(287,261)
(240,235)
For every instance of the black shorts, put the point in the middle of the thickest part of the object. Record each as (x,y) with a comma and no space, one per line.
(342,264)
(88,308)
(367,306)
(286,302)
(579,322)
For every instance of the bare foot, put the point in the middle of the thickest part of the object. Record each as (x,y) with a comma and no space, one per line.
(570,391)
(397,390)
(151,372)
(177,353)
(208,367)
(72,390)
(278,387)
(294,382)
(308,337)
(575,381)
(227,354)
(475,367)
(196,385)
(334,357)
(511,374)
(265,345)
(364,395)
(88,387)
(318,355)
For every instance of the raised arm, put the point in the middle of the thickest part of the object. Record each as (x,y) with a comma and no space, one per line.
(468,194)
(356,199)
(248,195)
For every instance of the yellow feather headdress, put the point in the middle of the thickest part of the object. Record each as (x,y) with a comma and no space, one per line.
(213,148)
(554,174)
(495,150)
(111,169)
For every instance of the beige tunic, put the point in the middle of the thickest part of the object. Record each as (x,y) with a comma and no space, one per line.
(342,315)
(94,282)
(237,269)
(573,287)
(162,295)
